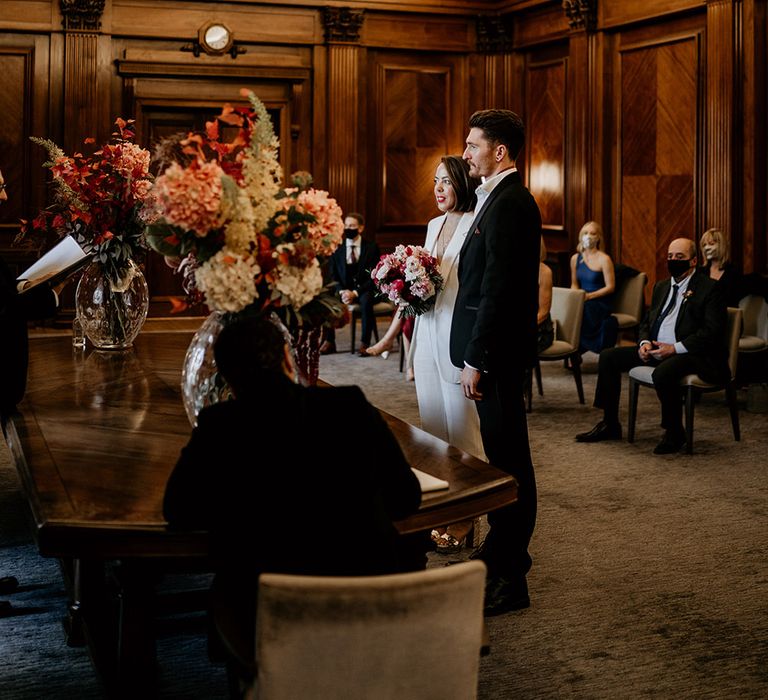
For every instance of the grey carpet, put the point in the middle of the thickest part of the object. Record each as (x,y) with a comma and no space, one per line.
(649,579)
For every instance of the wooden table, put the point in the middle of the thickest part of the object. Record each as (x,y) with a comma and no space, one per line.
(94,442)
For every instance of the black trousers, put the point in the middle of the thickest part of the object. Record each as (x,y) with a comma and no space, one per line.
(504,430)
(614,362)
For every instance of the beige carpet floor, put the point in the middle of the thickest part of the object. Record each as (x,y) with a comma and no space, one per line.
(650,575)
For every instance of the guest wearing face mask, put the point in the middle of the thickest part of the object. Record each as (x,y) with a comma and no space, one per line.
(716,261)
(351,265)
(592,270)
(683,333)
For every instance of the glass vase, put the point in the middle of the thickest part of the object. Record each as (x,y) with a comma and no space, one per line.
(201,383)
(112,310)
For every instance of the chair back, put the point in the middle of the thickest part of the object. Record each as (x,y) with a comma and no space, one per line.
(568,310)
(755,310)
(733,332)
(629,299)
(401,636)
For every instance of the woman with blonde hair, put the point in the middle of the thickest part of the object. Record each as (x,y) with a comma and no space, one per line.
(592,270)
(716,261)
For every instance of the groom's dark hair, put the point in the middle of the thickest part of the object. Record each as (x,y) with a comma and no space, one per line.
(501,126)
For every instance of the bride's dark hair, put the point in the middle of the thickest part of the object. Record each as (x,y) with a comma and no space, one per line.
(463,184)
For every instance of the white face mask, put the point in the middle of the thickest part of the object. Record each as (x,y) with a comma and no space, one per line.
(588,241)
(710,251)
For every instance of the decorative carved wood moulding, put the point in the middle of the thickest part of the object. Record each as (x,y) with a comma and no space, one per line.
(342,24)
(581,14)
(82,15)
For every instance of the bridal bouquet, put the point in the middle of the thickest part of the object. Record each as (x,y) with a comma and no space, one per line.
(99,199)
(410,278)
(219,213)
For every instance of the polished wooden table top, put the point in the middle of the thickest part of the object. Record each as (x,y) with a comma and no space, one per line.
(98,434)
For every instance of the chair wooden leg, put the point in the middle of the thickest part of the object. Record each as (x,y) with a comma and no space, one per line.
(537,369)
(402,349)
(689,408)
(730,394)
(576,364)
(633,391)
(353,326)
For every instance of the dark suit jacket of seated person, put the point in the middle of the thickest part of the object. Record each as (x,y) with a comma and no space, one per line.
(700,328)
(267,474)
(355,276)
(15,311)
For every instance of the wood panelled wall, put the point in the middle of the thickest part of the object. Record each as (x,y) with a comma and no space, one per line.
(649,116)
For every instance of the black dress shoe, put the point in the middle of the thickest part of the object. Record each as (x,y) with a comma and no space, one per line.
(8,584)
(504,594)
(602,431)
(670,443)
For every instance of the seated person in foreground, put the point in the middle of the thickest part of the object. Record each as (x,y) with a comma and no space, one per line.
(683,333)
(318,505)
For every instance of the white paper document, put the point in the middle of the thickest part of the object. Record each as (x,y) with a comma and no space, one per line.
(59,262)
(429,482)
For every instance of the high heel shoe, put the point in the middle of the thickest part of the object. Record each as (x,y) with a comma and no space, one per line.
(380,350)
(447,543)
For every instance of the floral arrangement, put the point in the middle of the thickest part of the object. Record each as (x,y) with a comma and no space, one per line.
(99,199)
(218,212)
(409,277)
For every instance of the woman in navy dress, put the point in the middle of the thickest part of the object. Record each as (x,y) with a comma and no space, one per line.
(592,270)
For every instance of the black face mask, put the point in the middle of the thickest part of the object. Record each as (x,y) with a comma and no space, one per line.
(678,267)
(350,232)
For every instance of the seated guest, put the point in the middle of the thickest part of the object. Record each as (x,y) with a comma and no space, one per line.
(15,310)
(592,270)
(546,332)
(716,259)
(266,474)
(351,266)
(683,333)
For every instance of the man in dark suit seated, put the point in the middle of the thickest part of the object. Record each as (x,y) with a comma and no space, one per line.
(264,473)
(683,333)
(351,265)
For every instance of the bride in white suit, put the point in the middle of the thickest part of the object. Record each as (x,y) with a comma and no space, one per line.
(443,409)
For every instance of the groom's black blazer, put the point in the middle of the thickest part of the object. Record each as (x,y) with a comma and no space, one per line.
(494,318)
(701,323)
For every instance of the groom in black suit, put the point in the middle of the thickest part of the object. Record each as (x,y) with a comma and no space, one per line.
(683,333)
(493,339)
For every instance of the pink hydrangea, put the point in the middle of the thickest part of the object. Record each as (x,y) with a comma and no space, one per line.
(191,197)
